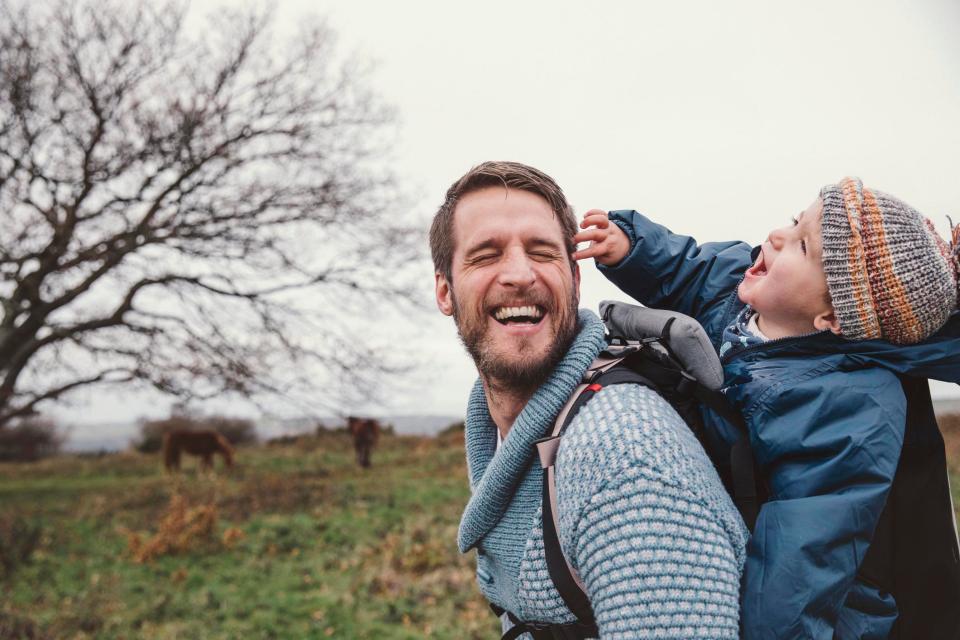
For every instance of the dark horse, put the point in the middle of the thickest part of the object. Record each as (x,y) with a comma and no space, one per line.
(198,443)
(364,432)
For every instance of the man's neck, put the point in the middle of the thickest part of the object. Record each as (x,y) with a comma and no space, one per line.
(505,404)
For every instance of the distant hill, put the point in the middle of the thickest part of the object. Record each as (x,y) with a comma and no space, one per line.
(117,436)
(418,425)
(943,406)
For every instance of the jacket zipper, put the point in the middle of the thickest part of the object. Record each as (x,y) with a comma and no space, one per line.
(736,353)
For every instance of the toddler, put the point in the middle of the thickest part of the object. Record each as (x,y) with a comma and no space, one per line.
(826,333)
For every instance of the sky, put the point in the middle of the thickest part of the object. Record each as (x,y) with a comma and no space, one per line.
(721,120)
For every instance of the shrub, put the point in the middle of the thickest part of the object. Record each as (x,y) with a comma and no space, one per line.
(236,430)
(327,430)
(29,439)
(151,432)
(181,528)
(452,428)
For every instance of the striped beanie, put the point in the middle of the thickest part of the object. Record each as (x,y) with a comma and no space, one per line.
(889,274)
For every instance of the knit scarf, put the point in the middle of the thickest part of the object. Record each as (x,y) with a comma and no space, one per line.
(497,475)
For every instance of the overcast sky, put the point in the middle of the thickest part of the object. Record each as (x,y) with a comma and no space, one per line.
(719,119)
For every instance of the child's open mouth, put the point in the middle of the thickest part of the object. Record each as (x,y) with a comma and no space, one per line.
(759,268)
(527,314)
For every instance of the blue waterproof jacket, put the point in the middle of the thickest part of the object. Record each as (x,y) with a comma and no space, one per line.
(827,421)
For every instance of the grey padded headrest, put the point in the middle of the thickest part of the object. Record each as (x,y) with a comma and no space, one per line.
(687,339)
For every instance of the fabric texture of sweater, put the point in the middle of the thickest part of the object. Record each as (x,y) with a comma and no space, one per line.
(644,518)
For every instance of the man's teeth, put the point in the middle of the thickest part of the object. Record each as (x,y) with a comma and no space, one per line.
(504,313)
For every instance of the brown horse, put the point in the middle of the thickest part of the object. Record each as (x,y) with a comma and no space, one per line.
(198,443)
(365,432)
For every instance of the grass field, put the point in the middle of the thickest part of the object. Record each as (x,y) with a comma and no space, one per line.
(297,542)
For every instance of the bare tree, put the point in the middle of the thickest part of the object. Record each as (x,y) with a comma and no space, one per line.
(200,215)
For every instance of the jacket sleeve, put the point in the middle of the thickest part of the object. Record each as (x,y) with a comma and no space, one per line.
(671,271)
(828,445)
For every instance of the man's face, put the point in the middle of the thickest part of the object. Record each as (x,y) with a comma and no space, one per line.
(514,293)
(787,285)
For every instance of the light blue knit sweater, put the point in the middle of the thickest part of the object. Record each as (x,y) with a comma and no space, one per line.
(643,515)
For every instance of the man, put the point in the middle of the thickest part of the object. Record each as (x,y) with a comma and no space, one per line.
(644,519)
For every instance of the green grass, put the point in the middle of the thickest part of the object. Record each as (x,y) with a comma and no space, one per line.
(327,549)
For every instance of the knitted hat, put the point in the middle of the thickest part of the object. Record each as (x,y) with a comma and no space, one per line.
(889,273)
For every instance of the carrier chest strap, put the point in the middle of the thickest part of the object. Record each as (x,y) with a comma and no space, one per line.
(543,630)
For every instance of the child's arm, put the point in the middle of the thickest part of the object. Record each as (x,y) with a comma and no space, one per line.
(659,268)
(829,447)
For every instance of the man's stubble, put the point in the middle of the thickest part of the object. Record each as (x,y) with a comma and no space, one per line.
(524,374)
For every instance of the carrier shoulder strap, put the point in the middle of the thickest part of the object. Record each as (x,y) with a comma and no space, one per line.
(565,578)
(608,370)
(743,469)
(684,349)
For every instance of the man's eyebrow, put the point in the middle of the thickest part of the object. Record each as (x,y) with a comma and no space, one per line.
(538,241)
(489,243)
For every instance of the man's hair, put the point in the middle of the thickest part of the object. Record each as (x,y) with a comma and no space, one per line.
(511,175)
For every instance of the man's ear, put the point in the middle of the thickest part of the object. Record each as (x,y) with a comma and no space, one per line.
(827,320)
(444,295)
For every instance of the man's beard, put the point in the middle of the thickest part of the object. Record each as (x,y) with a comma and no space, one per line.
(528,372)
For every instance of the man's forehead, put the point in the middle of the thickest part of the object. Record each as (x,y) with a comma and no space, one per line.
(502,213)
(505,200)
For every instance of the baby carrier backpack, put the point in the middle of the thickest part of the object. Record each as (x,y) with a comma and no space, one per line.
(913,553)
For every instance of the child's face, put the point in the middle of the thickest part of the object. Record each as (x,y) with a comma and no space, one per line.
(787,286)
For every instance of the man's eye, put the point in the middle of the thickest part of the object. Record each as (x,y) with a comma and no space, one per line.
(483,257)
(794,220)
(543,255)
(803,246)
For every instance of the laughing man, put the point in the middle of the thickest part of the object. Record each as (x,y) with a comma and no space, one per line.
(644,519)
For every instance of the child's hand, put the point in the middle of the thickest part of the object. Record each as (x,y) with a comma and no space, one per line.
(608,243)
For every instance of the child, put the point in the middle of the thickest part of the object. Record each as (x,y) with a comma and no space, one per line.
(818,329)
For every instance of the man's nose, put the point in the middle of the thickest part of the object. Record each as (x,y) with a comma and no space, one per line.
(517,270)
